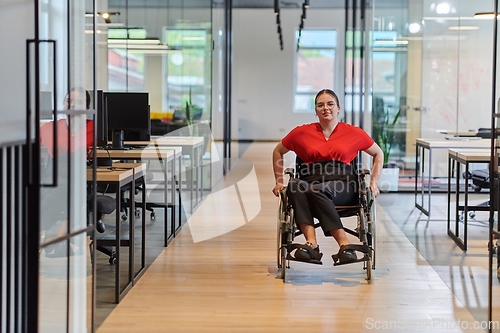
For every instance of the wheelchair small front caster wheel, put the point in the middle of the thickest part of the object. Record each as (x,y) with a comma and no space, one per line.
(153,216)
(112,260)
(472,215)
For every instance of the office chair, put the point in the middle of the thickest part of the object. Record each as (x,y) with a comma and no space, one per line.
(125,204)
(104,205)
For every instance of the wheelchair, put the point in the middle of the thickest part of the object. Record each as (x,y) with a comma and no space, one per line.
(365,231)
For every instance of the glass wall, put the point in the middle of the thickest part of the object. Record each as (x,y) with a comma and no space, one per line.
(166,51)
(428,76)
(66,274)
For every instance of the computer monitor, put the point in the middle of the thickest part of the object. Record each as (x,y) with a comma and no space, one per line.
(102,120)
(128,112)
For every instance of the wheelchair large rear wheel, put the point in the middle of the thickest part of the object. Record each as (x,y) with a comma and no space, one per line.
(372,228)
(279,238)
(286,236)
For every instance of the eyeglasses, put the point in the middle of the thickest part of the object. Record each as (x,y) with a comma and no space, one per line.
(322,105)
(74,101)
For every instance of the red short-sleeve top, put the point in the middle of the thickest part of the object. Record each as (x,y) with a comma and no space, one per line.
(47,136)
(310,144)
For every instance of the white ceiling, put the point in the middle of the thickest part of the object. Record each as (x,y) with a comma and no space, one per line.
(253,3)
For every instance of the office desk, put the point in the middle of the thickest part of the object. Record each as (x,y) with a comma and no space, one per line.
(177,168)
(465,157)
(176,172)
(194,144)
(432,144)
(178,158)
(123,175)
(162,154)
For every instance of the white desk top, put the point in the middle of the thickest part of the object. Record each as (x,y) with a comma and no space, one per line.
(466,143)
(471,155)
(180,140)
(177,150)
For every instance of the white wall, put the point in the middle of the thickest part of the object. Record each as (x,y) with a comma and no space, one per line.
(263,76)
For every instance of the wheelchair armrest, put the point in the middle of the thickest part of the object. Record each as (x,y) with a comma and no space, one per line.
(290,172)
(363,172)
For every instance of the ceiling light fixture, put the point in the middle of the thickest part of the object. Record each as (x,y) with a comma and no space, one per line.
(467,27)
(443,8)
(414,28)
(105,15)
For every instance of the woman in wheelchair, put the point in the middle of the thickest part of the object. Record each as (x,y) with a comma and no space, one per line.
(327,148)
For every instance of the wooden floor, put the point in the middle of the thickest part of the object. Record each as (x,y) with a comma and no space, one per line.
(229,283)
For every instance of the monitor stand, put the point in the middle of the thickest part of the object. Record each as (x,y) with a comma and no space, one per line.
(118,140)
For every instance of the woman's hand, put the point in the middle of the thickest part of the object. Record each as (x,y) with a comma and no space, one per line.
(378,162)
(374,189)
(278,153)
(277,188)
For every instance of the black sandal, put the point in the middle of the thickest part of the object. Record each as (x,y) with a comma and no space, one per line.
(345,255)
(304,253)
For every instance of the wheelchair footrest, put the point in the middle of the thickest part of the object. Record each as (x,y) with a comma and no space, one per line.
(316,256)
(310,261)
(355,247)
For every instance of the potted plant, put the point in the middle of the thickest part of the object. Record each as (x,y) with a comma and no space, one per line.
(383,131)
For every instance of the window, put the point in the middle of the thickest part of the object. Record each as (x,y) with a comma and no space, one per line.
(315,66)
(187,76)
(126,65)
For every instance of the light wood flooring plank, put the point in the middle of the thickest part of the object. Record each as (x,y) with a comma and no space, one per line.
(229,283)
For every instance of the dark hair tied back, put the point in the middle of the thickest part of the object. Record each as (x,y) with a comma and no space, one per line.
(329,92)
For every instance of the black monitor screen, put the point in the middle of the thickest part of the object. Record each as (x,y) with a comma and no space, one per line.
(127,111)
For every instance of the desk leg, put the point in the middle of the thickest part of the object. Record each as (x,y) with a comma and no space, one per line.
(197,166)
(417,170)
(172,196)
(450,162)
(180,191)
(117,247)
(191,182)
(430,182)
(201,176)
(466,204)
(165,201)
(420,168)
(131,235)
(422,187)
(457,199)
(143,249)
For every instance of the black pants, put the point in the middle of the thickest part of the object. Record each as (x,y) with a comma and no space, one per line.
(318,200)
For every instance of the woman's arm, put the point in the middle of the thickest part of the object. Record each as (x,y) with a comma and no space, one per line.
(378,162)
(278,153)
